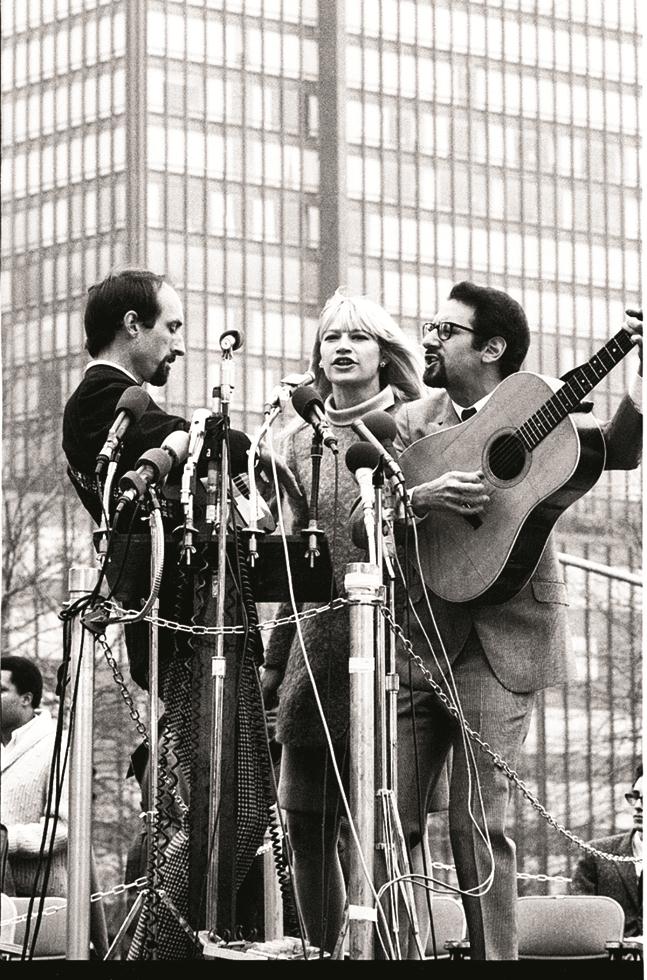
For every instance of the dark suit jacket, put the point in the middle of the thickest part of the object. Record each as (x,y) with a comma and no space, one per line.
(524,639)
(595,876)
(87,418)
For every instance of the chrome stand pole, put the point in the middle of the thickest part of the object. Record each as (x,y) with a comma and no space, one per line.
(364,590)
(81,581)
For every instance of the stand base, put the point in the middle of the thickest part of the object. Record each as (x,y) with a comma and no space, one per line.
(287,948)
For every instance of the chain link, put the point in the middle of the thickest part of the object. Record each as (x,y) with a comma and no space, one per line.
(526,875)
(135,715)
(121,684)
(498,761)
(94,897)
(198,630)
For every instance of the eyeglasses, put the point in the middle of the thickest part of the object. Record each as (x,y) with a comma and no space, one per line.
(445,329)
(633,797)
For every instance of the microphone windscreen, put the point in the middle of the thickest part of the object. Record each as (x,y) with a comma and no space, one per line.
(304,399)
(362,455)
(381,425)
(134,401)
(177,444)
(239,444)
(159,460)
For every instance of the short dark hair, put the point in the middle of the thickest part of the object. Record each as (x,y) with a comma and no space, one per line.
(639,772)
(110,300)
(496,315)
(25,676)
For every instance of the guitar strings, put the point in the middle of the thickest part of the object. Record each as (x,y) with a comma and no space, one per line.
(563,401)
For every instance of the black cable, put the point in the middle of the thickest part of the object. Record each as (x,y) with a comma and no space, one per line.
(55,776)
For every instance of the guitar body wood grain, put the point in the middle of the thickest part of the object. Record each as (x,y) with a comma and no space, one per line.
(490,562)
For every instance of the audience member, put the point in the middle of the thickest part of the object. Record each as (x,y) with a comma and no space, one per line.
(28,737)
(620,880)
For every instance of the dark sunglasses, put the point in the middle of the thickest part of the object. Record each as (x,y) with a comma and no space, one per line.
(633,797)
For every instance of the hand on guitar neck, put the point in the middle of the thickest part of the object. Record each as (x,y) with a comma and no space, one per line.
(634,326)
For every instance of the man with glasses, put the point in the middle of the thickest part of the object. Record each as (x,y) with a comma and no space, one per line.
(595,875)
(500,655)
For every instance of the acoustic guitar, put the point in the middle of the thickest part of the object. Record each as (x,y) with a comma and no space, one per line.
(533,472)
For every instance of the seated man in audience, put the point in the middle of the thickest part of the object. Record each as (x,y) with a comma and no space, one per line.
(622,881)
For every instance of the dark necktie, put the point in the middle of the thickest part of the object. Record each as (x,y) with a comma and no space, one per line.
(467,413)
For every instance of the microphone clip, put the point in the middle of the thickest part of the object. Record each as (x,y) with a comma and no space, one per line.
(314,535)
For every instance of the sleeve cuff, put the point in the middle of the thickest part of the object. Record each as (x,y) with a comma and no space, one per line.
(636,392)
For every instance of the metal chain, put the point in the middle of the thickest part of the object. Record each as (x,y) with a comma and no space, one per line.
(498,761)
(134,713)
(94,897)
(198,630)
(121,684)
(526,875)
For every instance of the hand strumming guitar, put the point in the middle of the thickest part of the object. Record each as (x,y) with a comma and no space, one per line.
(455,491)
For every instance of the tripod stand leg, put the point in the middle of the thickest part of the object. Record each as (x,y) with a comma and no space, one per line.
(114,946)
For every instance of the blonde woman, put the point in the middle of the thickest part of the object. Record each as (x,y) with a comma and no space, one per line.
(362,362)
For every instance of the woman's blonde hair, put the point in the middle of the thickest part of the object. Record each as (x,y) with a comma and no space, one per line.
(402,369)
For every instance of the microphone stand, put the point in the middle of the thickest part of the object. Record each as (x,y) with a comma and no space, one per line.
(223,393)
(387,682)
(313,532)
(156,568)
(102,534)
(252,532)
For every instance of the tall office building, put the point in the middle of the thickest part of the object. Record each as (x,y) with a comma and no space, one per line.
(263,152)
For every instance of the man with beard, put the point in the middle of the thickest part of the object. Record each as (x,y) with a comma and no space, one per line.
(500,655)
(133,326)
(134,331)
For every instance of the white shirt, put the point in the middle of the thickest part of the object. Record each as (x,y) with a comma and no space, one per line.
(112,364)
(25,733)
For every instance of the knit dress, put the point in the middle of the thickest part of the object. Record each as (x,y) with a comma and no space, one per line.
(326,636)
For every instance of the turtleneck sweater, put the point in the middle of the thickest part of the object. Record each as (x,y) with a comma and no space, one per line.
(325,636)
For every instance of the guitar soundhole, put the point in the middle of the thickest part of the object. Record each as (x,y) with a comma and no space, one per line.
(507,457)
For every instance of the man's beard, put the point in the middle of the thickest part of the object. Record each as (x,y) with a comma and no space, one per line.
(160,377)
(434,376)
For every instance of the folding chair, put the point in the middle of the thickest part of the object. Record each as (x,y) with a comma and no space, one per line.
(565,927)
(448,920)
(52,933)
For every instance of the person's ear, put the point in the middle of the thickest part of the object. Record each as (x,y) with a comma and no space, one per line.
(493,349)
(131,321)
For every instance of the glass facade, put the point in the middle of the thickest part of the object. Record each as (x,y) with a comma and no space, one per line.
(441,141)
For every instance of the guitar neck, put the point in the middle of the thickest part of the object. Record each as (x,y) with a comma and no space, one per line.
(579,384)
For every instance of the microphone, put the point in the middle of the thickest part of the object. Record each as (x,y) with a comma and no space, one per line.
(308,404)
(282,391)
(130,408)
(153,467)
(362,460)
(239,446)
(231,340)
(379,429)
